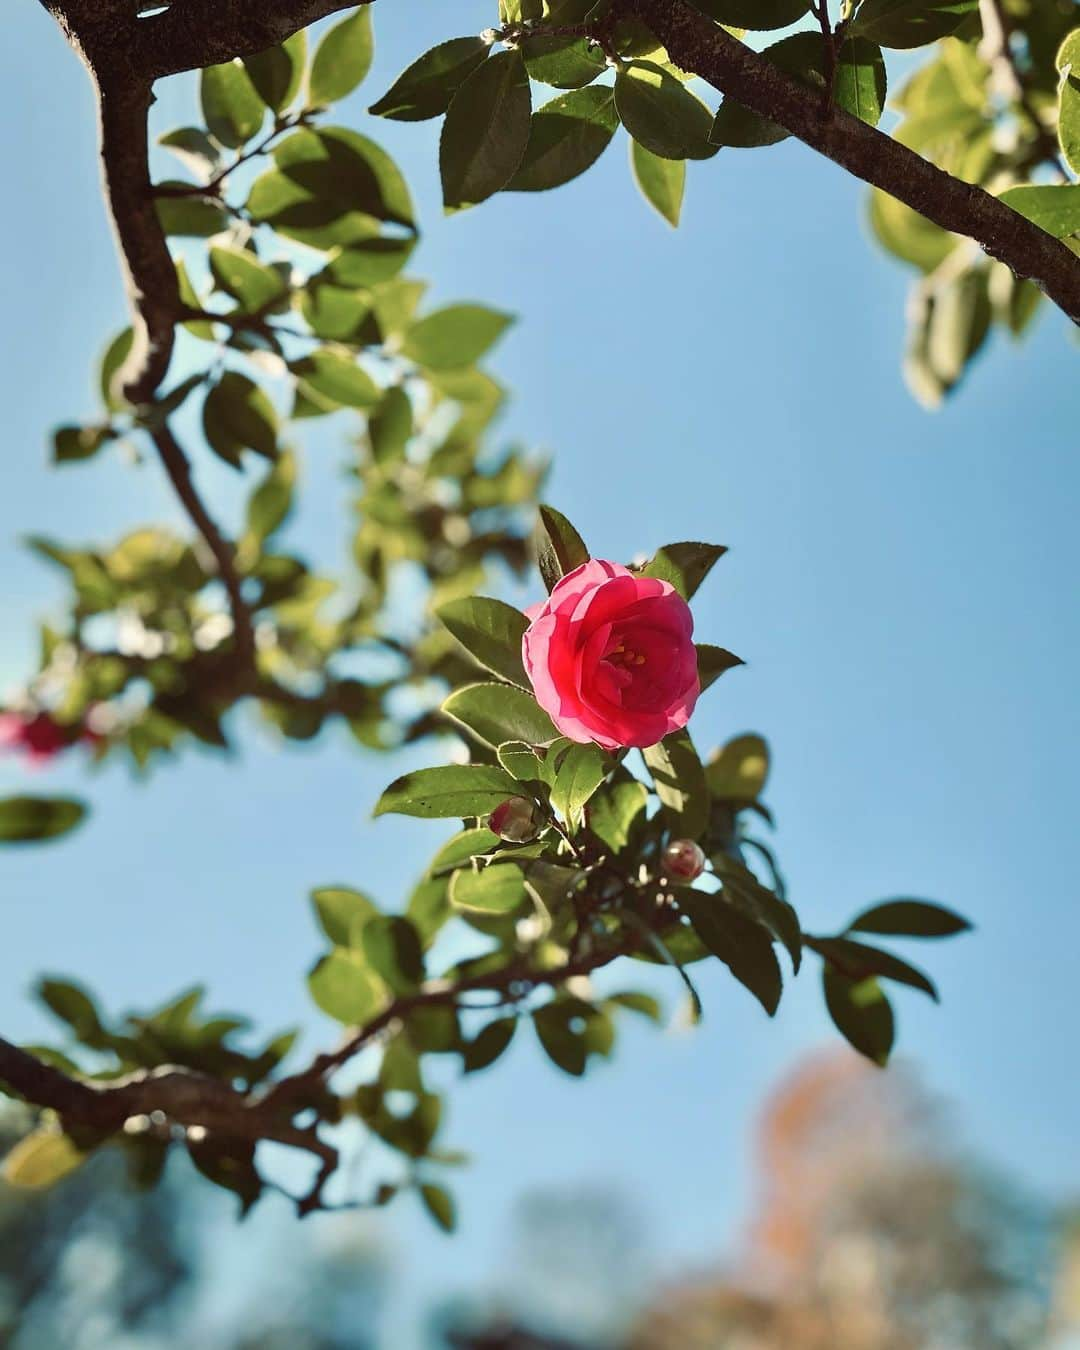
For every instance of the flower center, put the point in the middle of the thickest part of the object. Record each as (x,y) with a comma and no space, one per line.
(625,656)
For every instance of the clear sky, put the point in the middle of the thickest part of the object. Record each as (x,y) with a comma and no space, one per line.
(903,586)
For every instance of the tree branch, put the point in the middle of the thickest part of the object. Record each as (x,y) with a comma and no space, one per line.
(699,46)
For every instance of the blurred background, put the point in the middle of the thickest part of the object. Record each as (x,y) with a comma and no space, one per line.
(903,586)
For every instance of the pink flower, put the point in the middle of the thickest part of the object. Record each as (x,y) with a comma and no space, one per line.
(610,656)
(38,737)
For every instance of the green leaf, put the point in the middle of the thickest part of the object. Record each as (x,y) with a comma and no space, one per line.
(680,784)
(562,62)
(33,819)
(392,947)
(856,961)
(1054,207)
(390,426)
(614,811)
(559,547)
(500,712)
(563,1041)
(486,1047)
(425,88)
(497,889)
(566,137)
(271,502)
(277,72)
(491,632)
(959,324)
(756,15)
(461,847)
(662,181)
(334,377)
(41,1159)
(910,918)
(861,82)
(249,281)
(684,566)
(342,913)
(231,107)
(71,444)
(661,114)
(908,235)
(366,262)
(74,1006)
(743,946)
(799,56)
(714,662)
(522,762)
(195,217)
(334,313)
(861,1013)
(439,1203)
(450,790)
(114,356)
(738,772)
(194,149)
(229,1163)
(485,132)
(634,1001)
(237,416)
(910,23)
(456,336)
(580,772)
(343,986)
(342,59)
(747,893)
(1068,64)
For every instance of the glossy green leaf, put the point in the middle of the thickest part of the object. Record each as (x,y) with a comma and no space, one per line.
(33,819)
(390,426)
(238,416)
(559,547)
(486,1047)
(861,82)
(714,662)
(662,181)
(343,58)
(910,23)
(343,913)
(366,262)
(335,376)
(344,987)
(486,131)
(738,771)
(856,961)
(250,282)
(114,356)
(450,790)
(194,149)
(277,72)
(560,1030)
(491,632)
(743,945)
(497,889)
(679,777)
(862,1014)
(334,313)
(684,566)
(185,215)
(580,772)
(910,918)
(392,947)
(1068,65)
(562,62)
(456,336)
(743,889)
(615,810)
(231,107)
(907,234)
(566,137)
(500,712)
(1054,207)
(661,114)
(425,88)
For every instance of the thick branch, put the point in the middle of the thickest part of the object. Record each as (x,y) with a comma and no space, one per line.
(699,46)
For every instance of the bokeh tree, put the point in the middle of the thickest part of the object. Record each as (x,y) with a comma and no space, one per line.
(269,285)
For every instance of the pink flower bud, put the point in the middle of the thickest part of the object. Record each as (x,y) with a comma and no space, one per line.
(683,860)
(517,820)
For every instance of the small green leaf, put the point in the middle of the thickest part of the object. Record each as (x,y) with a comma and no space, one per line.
(343,986)
(392,947)
(861,82)
(743,945)
(114,356)
(563,1039)
(680,784)
(910,918)
(714,662)
(271,502)
(562,62)
(342,913)
(861,1013)
(1054,207)
(910,23)
(491,632)
(277,72)
(662,181)
(187,215)
(33,819)
(661,114)
(500,712)
(614,811)
(580,772)
(333,376)
(738,772)
(238,416)
(71,444)
(1068,64)
(486,131)
(390,426)
(194,149)
(41,1159)
(249,281)
(450,790)
(486,1047)
(366,262)
(439,1203)
(456,336)
(342,59)
(231,107)
(497,889)
(425,88)
(684,566)
(566,137)
(559,547)
(856,961)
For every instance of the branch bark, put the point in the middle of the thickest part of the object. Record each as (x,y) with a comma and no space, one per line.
(699,46)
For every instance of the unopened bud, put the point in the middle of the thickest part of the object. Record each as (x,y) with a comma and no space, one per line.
(683,860)
(517,820)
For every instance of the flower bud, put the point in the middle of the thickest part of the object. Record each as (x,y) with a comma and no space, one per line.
(517,820)
(683,860)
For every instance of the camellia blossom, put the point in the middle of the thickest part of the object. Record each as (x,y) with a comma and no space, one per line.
(611,657)
(37,736)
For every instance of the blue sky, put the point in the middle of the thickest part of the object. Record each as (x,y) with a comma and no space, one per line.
(902,585)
